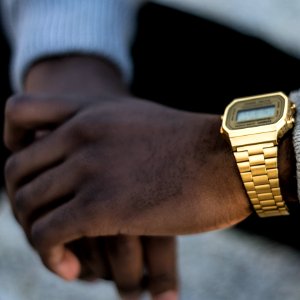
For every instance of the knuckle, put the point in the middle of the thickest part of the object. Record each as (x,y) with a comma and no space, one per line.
(86,127)
(15,106)
(9,142)
(15,110)
(10,168)
(39,187)
(38,235)
(20,201)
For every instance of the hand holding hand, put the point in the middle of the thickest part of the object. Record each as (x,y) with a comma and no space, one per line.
(133,263)
(132,167)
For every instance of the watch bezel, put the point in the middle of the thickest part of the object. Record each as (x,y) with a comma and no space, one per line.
(268,125)
(252,104)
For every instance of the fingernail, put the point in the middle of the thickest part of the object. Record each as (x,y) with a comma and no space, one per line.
(69,267)
(66,271)
(169,295)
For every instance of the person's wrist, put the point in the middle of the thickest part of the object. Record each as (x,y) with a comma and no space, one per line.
(223,195)
(77,75)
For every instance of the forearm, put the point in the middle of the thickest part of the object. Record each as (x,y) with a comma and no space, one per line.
(97,77)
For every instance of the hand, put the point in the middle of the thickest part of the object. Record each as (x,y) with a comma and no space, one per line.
(133,263)
(133,168)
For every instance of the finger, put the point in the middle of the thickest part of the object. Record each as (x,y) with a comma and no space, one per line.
(63,262)
(93,259)
(24,113)
(126,262)
(52,232)
(160,257)
(45,192)
(38,156)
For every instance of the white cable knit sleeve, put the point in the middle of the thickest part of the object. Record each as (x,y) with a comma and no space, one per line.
(40,28)
(295,97)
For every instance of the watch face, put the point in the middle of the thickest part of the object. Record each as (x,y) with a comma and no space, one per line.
(253,112)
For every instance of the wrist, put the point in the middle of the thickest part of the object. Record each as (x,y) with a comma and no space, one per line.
(218,181)
(76,75)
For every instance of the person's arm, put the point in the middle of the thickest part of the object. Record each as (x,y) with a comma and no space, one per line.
(133,167)
(99,81)
(213,123)
(162,171)
(99,30)
(46,28)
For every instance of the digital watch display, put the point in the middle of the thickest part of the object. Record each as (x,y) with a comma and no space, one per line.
(255,113)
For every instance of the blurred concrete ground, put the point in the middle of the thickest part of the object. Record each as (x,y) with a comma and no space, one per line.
(221,265)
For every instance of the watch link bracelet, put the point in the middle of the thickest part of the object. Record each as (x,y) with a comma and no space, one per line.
(254,126)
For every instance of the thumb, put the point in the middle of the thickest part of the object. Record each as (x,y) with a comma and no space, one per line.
(62,262)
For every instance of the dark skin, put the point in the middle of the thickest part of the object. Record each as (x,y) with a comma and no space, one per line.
(134,168)
(123,259)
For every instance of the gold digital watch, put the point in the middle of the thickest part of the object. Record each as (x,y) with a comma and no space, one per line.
(254,125)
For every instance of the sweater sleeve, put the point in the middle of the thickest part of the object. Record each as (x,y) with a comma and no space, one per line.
(41,28)
(295,97)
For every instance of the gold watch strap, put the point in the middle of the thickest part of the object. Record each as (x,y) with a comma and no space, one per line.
(258,168)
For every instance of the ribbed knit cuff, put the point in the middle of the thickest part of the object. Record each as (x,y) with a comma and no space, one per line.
(295,97)
(42,28)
